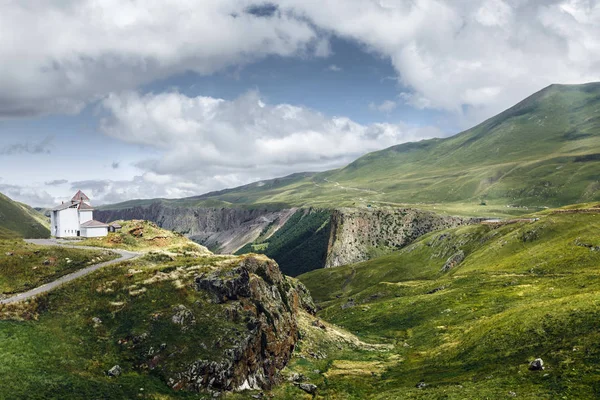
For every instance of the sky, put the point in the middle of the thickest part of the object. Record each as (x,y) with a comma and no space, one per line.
(129,99)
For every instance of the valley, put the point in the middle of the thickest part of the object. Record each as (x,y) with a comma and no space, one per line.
(437,269)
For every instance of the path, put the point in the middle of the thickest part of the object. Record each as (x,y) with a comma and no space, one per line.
(125,255)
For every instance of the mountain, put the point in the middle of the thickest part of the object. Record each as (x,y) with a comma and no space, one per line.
(19,220)
(466,310)
(544,152)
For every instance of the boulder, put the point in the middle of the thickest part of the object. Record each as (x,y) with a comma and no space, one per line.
(308,388)
(536,365)
(183,316)
(453,261)
(115,371)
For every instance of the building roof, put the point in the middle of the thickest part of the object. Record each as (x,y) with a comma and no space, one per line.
(85,206)
(63,206)
(115,225)
(94,224)
(80,196)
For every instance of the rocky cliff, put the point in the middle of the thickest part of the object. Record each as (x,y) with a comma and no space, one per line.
(223,230)
(253,293)
(360,234)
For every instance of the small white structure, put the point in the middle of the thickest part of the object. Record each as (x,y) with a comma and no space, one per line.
(76,219)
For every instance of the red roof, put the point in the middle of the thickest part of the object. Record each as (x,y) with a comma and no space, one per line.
(80,196)
(85,206)
(94,224)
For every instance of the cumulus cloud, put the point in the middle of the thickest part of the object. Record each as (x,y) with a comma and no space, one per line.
(244,138)
(44,146)
(334,68)
(82,49)
(480,56)
(31,195)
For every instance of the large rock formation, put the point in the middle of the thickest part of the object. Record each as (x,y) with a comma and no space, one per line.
(255,294)
(223,230)
(360,234)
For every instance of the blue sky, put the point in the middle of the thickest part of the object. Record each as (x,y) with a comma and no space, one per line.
(147,99)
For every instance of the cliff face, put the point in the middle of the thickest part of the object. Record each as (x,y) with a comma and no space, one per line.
(223,230)
(255,294)
(360,234)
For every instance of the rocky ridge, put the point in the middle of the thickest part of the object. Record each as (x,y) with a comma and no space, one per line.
(360,234)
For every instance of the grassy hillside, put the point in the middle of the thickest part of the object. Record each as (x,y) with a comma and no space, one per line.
(24,266)
(138,235)
(543,152)
(523,290)
(18,220)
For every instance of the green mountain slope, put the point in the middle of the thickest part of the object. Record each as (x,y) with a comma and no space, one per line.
(19,220)
(524,290)
(544,151)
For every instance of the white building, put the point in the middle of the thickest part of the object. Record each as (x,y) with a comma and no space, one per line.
(76,219)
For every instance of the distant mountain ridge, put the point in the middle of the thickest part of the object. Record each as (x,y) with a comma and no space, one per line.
(19,220)
(544,151)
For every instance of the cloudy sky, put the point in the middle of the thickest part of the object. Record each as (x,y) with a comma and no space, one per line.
(148,98)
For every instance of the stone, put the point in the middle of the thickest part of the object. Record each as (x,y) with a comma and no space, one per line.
(9,253)
(536,365)
(97,322)
(319,324)
(183,316)
(453,261)
(46,262)
(295,377)
(115,371)
(308,388)
(421,385)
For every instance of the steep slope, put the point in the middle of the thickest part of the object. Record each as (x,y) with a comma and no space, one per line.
(170,324)
(467,309)
(18,220)
(544,151)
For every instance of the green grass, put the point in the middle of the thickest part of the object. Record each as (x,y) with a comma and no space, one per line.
(543,152)
(18,220)
(523,291)
(139,235)
(24,266)
(300,245)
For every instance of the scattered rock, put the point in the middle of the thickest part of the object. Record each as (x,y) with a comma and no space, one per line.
(319,324)
(46,262)
(115,371)
(453,261)
(97,322)
(9,253)
(512,394)
(308,388)
(295,377)
(536,365)
(183,316)
(437,289)
(348,304)
(421,385)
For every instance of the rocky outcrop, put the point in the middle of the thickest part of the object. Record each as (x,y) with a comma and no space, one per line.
(258,295)
(223,230)
(360,234)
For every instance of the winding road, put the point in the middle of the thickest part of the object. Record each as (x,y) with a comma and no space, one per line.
(125,255)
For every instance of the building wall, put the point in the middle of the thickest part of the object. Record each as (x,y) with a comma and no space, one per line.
(85,216)
(94,232)
(67,223)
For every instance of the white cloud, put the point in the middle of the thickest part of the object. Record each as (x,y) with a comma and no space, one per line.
(482,54)
(58,54)
(334,68)
(385,107)
(215,143)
